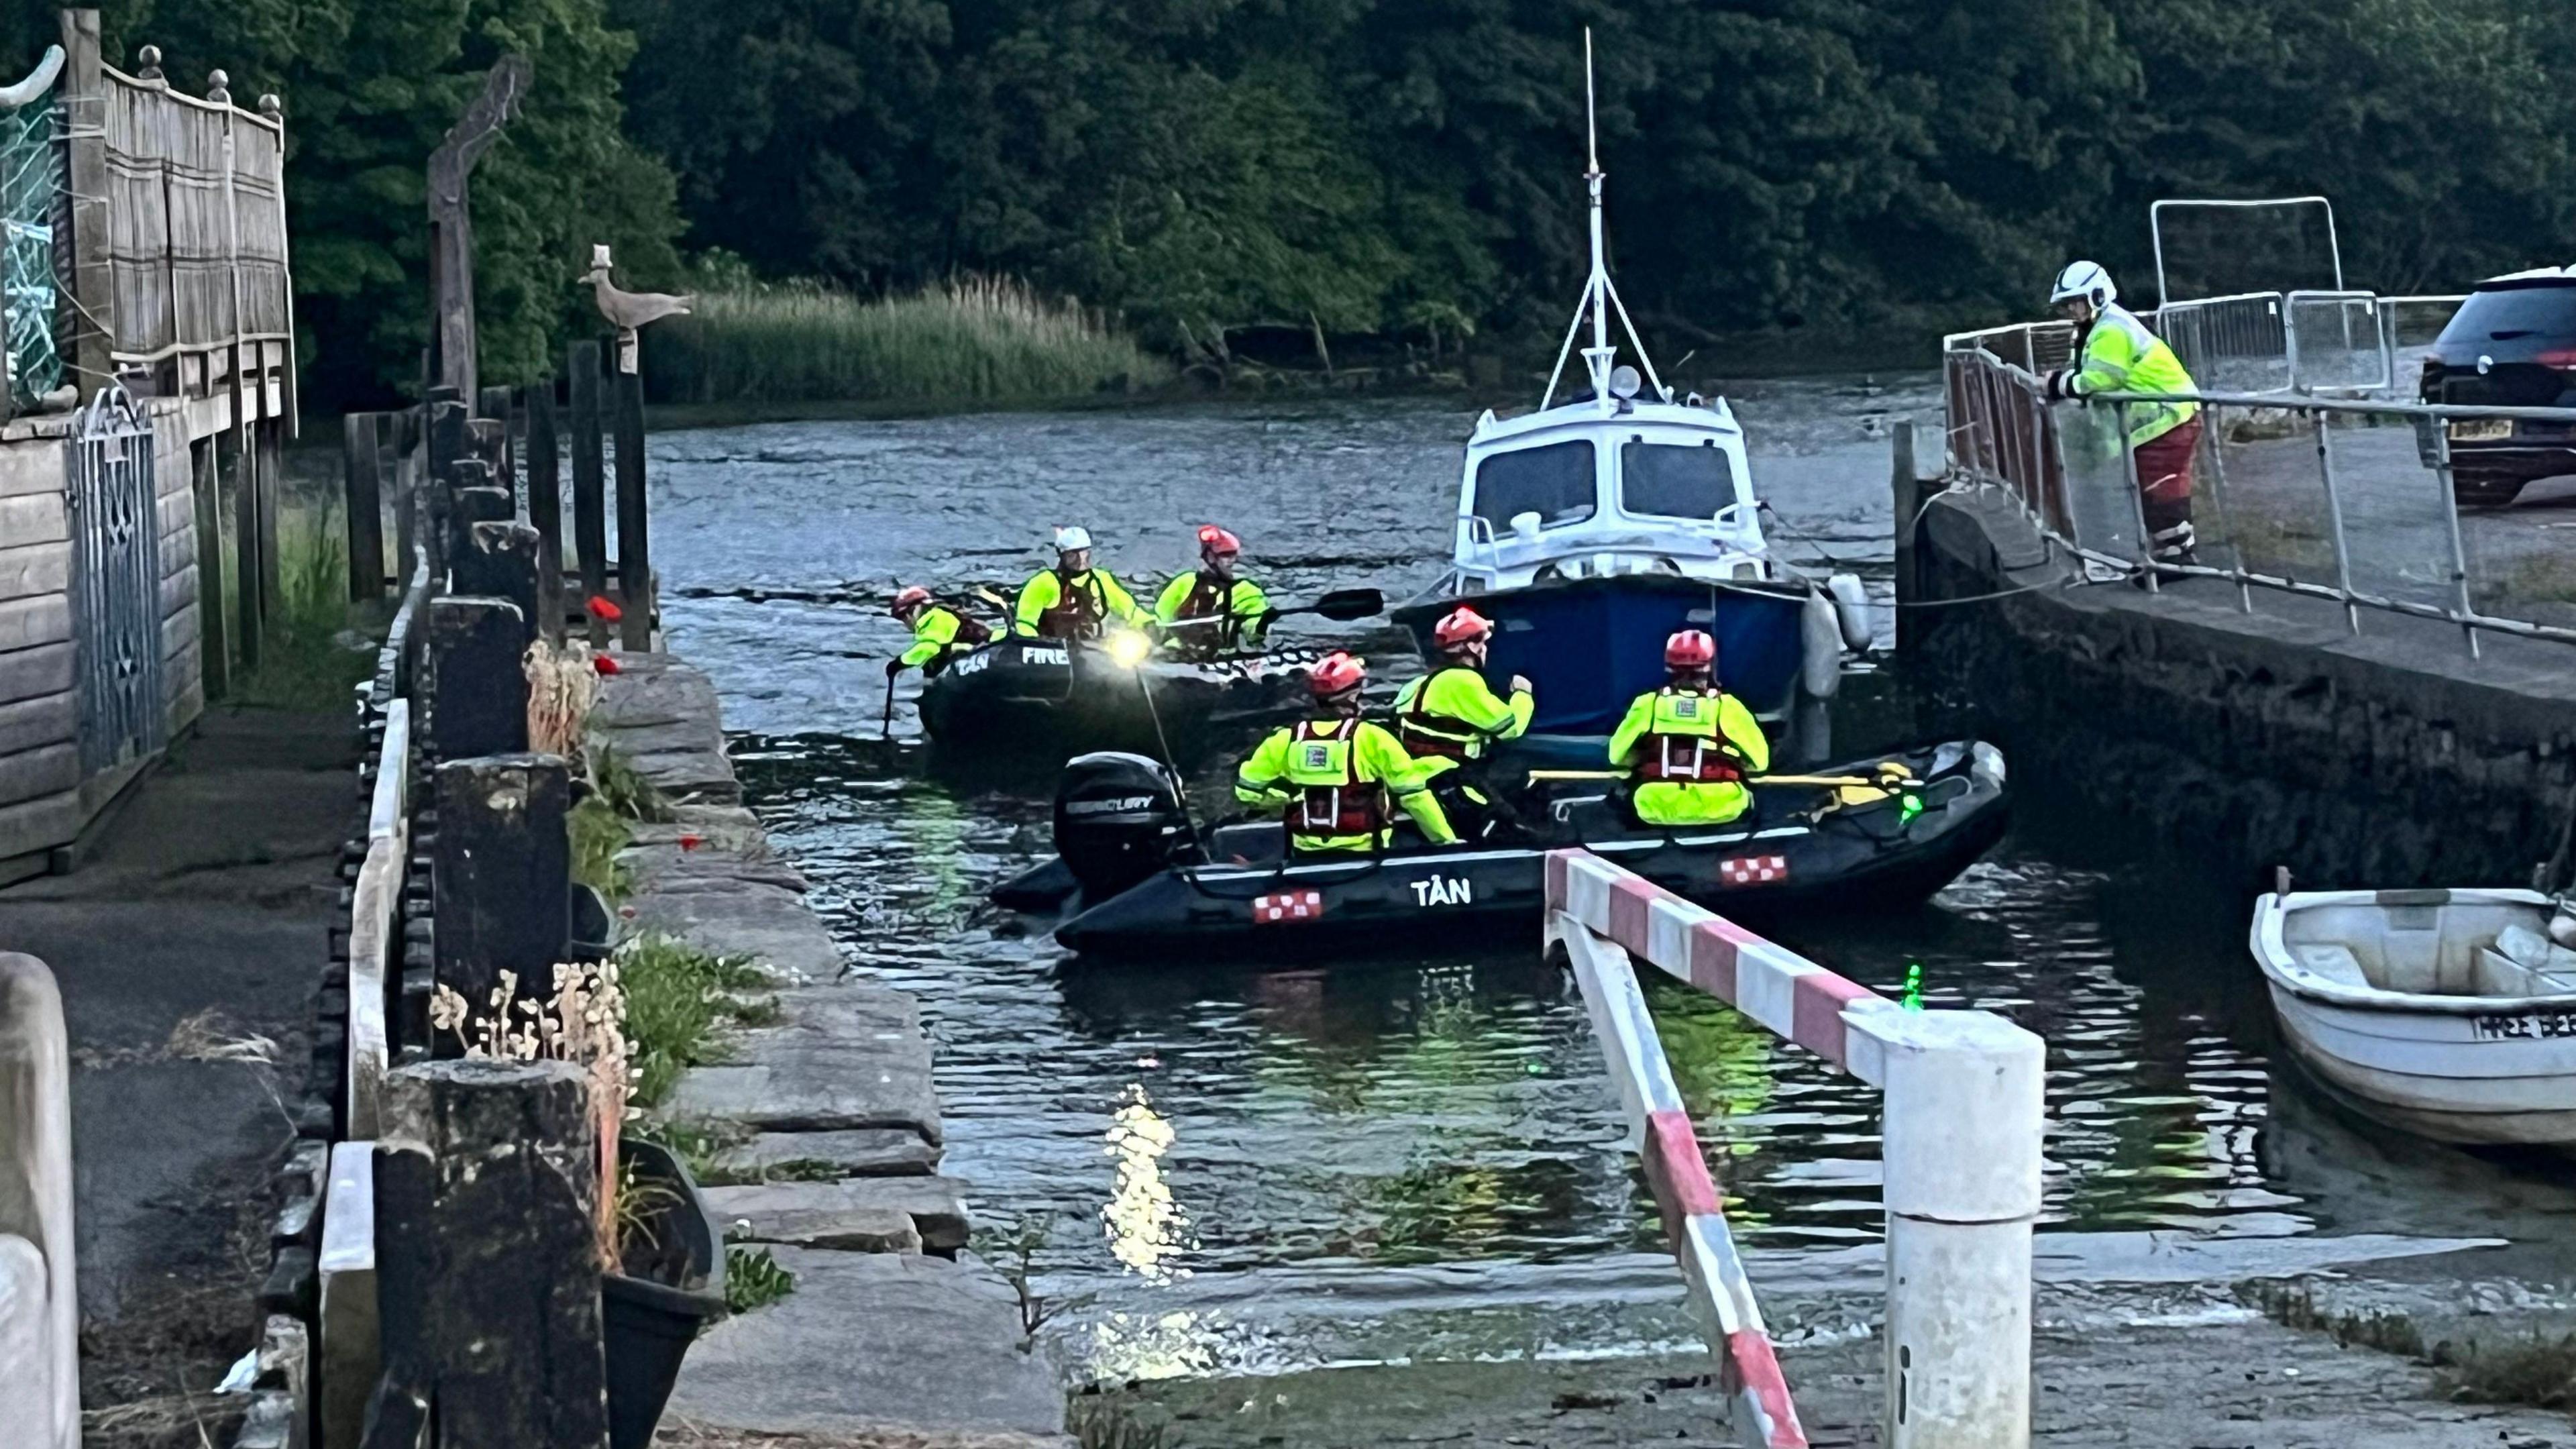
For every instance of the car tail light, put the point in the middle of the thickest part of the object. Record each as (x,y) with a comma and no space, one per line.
(2562,358)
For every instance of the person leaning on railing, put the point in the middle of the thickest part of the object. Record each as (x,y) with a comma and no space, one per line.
(2115,352)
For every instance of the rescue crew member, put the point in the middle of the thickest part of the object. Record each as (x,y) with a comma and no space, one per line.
(2115,352)
(1073,600)
(1215,591)
(1332,777)
(1450,718)
(939,633)
(1689,745)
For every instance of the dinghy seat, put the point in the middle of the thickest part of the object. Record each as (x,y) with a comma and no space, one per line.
(2334,962)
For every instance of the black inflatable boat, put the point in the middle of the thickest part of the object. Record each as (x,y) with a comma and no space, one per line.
(1038,697)
(1132,881)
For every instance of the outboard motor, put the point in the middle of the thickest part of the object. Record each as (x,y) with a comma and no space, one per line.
(1118,819)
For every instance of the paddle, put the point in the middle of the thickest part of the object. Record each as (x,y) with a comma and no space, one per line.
(1833,781)
(885,726)
(1341,606)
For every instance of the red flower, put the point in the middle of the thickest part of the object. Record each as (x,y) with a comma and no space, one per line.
(601,608)
(606,664)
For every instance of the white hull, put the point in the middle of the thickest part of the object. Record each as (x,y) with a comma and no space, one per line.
(2457,1067)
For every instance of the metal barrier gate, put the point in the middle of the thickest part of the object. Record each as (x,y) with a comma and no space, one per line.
(1961,1152)
(116,548)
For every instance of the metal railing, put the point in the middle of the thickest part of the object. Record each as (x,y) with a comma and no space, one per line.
(2343,499)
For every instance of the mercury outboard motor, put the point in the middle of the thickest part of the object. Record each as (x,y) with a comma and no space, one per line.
(1118,819)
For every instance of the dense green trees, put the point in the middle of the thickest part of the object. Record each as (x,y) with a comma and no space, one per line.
(1389,166)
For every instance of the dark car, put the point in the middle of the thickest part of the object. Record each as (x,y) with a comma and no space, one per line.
(2511,344)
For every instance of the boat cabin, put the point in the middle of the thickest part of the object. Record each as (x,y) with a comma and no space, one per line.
(1595,488)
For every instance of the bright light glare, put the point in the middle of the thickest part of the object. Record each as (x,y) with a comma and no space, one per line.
(1128,649)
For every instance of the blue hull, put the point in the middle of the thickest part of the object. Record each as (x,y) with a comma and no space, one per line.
(1590,646)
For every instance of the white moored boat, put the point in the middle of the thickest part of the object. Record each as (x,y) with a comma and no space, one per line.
(2448,1013)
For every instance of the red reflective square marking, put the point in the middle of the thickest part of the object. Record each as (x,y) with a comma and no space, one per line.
(1753,869)
(1272,910)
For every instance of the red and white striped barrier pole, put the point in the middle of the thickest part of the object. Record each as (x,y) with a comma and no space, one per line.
(1961,1145)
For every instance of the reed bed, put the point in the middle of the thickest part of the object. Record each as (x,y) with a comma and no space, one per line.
(971,340)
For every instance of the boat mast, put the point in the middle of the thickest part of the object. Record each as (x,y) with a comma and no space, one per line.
(1600,298)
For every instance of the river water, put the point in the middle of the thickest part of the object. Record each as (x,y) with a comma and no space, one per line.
(1215,1170)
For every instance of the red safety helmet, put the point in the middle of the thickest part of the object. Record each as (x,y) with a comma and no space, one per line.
(910,599)
(1337,674)
(1213,539)
(1462,626)
(1690,649)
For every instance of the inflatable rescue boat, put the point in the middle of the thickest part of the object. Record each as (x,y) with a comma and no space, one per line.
(1030,697)
(1132,879)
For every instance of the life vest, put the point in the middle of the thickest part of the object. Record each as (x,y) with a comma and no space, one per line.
(1323,768)
(970,633)
(1210,597)
(1424,732)
(1684,742)
(1078,610)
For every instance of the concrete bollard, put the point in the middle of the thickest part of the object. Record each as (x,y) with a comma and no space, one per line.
(479,691)
(509,1326)
(1962,1166)
(503,882)
(39,1312)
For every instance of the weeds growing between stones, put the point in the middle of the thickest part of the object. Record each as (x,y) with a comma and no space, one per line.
(679,1000)
(753,1279)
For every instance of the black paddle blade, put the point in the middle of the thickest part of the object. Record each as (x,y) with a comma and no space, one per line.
(1345,605)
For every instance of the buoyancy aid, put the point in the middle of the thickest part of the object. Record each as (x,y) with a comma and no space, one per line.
(1684,742)
(1424,732)
(1330,797)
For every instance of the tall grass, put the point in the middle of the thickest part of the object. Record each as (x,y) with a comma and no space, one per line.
(972,340)
(307,661)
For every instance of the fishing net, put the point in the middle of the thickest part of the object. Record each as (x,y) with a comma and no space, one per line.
(30,187)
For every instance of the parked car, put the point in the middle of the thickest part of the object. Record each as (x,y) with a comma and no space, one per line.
(2511,344)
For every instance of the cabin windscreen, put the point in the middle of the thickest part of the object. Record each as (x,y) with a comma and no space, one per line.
(1674,480)
(1554,481)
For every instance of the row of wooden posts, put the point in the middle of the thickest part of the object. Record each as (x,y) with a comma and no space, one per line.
(522,432)
(436,1280)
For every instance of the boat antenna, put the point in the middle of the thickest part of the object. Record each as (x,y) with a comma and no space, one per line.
(1600,297)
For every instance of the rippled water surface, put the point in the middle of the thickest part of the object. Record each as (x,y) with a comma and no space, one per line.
(1216,1169)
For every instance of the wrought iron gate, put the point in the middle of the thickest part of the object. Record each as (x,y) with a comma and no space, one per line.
(116,548)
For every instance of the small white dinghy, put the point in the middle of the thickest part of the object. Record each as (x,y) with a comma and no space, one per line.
(2448,1013)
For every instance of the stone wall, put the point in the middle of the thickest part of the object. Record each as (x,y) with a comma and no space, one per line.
(2275,737)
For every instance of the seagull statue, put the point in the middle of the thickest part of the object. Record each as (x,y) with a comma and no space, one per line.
(627,311)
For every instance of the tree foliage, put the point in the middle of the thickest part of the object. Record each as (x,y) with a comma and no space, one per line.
(1384,166)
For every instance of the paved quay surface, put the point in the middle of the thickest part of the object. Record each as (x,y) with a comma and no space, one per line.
(895,1334)
(187,947)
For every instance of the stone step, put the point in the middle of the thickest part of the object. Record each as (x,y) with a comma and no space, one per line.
(848,1213)
(827,1156)
(871,1342)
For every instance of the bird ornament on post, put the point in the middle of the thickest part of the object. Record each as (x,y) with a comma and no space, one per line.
(628,311)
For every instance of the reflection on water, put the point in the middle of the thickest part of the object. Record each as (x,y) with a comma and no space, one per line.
(1140,1221)
(1260,1169)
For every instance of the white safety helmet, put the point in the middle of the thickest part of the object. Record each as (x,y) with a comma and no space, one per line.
(2086,280)
(1069,539)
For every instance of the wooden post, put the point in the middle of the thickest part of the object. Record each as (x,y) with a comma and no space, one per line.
(1907,499)
(445,421)
(503,879)
(271,474)
(634,539)
(451,224)
(246,573)
(500,561)
(88,310)
(545,510)
(407,1271)
(363,488)
(479,695)
(39,1313)
(215,659)
(589,486)
(511,1307)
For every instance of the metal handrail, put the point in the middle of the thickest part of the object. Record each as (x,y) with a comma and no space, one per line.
(2040,488)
